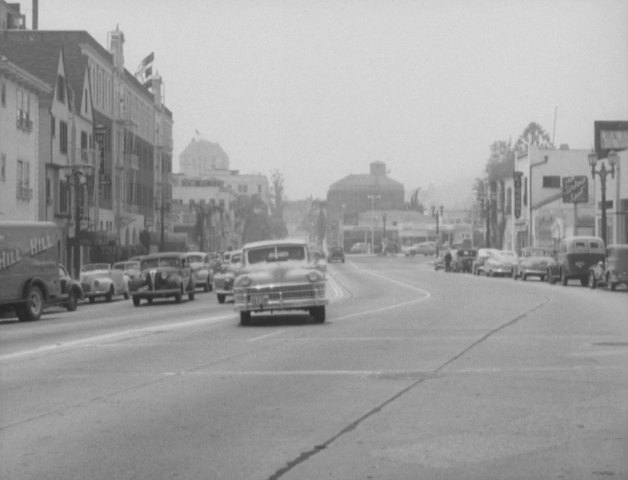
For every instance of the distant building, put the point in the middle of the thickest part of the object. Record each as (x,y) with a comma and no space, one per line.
(10,16)
(202,158)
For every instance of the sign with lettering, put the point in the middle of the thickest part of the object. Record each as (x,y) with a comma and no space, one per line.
(576,189)
(610,135)
(517,206)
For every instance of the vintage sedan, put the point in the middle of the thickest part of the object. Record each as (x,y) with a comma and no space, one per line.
(613,271)
(533,262)
(71,290)
(462,259)
(100,280)
(279,275)
(224,278)
(201,266)
(336,254)
(500,263)
(163,275)
(477,267)
(576,255)
(131,268)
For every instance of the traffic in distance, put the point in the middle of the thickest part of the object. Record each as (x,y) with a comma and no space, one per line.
(263,277)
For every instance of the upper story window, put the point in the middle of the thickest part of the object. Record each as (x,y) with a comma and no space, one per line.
(508,201)
(63,137)
(3,93)
(24,111)
(61,88)
(84,147)
(551,181)
(23,190)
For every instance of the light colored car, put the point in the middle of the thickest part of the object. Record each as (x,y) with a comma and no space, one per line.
(279,275)
(533,262)
(131,268)
(423,248)
(613,271)
(100,280)
(224,278)
(477,267)
(200,263)
(163,275)
(500,263)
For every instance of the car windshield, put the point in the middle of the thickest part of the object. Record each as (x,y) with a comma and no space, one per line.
(94,266)
(125,265)
(508,253)
(161,262)
(195,258)
(276,254)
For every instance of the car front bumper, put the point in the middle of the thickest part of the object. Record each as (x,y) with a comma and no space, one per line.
(279,297)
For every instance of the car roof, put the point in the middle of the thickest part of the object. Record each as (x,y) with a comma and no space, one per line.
(270,243)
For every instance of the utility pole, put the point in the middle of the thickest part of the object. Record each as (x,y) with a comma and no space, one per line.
(372,198)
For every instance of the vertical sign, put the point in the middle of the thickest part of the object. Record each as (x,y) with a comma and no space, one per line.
(99,139)
(517,206)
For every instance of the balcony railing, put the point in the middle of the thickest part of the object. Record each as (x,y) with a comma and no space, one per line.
(25,124)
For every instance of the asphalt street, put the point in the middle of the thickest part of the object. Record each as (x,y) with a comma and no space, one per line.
(415,374)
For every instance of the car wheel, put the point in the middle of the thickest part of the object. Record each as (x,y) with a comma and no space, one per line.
(191,296)
(245,318)
(136,301)
(563,278)
(318,313)
(109,295)
(32,309)
(221,298)
(72,302)
(610,285)
(592,281)
(92,299)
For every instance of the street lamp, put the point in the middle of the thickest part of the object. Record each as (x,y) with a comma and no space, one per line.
(602,173)
(437,213)
(372,199)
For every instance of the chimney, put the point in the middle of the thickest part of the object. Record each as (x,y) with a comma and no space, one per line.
(35,14)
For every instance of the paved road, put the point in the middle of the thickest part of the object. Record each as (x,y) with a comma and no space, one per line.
(416,374)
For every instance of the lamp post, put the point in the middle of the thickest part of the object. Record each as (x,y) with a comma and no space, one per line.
(602,172)
(437,213)
(372,198)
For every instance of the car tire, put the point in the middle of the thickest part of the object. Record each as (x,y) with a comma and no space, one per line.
(318,313)
(136,301)
(592,281)
(245,318)
(72,302)
(178,296)
(191,296)
(563,278)
(34,305)
(109,295)
(220,297)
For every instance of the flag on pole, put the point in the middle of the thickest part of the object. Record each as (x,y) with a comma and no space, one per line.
(145,67)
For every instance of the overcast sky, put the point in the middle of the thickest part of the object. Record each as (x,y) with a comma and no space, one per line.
(320,89)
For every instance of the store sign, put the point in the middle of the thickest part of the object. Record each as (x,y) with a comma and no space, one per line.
(610,136)
(576,189)
(517,205)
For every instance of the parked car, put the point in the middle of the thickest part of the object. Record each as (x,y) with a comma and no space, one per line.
(100,280)
(360,247)
(200,263)
(462,259)
(533,262)
(423,248)
(279,275)
(131,268)
(336,254)
(29,274)
(575,257)
(500,263)
(163,275)
(224,278)
(613,271)
(477,267)
(71,290)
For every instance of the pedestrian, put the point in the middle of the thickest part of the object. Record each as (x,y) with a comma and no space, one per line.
(447,259)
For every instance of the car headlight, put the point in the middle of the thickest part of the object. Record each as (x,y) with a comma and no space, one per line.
(244,281)
(313,276)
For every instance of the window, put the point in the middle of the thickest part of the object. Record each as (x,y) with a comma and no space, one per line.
(63,134)
(551,181)
(23,111)
(84,148)
(525,191)
(243,189)
(23,190)
(53,126)
(64,197)
(61,88)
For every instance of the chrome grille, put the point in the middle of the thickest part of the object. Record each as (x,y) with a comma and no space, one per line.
(278,292)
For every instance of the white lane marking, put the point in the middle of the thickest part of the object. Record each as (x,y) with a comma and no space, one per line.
(122,335)
(255,339)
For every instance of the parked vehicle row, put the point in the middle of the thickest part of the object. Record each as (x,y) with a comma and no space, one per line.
(582,258)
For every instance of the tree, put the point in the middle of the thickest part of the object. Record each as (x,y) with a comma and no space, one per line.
(533,134)
(251,218)
(414,203)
